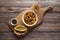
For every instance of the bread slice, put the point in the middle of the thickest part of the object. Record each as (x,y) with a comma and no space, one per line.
(20,30)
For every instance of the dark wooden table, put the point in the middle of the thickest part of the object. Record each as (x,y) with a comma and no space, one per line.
(48,30)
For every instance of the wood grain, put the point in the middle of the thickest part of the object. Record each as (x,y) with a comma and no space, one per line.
(31,36)
(49,29)
(29,2)
(19,9)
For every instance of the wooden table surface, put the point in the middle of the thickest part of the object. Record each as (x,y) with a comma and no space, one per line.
(48,30)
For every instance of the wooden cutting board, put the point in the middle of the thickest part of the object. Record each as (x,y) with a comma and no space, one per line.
(39,11)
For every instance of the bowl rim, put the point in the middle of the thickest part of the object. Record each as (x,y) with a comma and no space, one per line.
(25,13)
(12,23)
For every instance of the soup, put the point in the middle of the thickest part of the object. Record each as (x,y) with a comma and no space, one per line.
(30,18)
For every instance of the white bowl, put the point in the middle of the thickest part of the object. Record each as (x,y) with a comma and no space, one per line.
(27,12)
